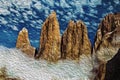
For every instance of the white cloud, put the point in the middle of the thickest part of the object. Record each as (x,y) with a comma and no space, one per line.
(4,11)
(15,28)
(117,1)
(26,68)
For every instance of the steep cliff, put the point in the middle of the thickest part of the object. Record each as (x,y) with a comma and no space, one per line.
(107,42)
(113,68)
(75,41)
(23,43)
(50,39)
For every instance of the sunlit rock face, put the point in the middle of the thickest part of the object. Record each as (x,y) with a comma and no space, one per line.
(107,43)
(50,39)
(23,43)
(113,68)
(75,41)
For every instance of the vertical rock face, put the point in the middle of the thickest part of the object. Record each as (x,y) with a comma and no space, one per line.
(23,43)
(113,68)
(75,41)
(50,39)
(107,42)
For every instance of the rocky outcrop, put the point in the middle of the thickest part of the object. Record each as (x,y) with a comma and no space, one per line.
(100,72)
(23,43)
(75,41)
(4,76)
(50,39)
(113,68)
(107,42)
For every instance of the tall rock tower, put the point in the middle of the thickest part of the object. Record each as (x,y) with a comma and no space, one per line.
(75,41)
(50,39)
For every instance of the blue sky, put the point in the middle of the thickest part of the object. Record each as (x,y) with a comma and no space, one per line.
(16,14)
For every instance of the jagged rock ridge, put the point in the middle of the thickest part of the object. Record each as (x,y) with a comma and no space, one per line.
(23,43)
(107,42)
(107,38)
(75,41)
(50,39)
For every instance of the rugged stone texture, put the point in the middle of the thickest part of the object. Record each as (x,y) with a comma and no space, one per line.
(113,68)
(107,42)
(50,39)
(101,71)
(4,76)
(75,41)
(23,43)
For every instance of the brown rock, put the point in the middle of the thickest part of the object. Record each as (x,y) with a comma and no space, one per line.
(107,42)
(50,39)
(75,41)
(101,71)
(4,76)
(23,43)
(113,68)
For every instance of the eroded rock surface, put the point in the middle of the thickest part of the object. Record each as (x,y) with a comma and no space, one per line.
(23,43)
(107,42)
(113,68)
(50,39)
(75,41)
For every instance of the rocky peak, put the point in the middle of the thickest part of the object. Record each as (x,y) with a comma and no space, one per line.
(107,43)
(23,43)
(50,39)
(75,41)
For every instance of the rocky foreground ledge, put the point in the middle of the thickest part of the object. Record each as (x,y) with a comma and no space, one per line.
(4,76)
(75,42)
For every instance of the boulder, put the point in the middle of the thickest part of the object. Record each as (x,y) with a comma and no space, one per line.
(75,41)
(23,43)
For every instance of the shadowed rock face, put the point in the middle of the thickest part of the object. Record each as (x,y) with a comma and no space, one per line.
(113,68)
(23,43)
(107,43)
(107,40)
(75,41)
(100,73)
(50,39)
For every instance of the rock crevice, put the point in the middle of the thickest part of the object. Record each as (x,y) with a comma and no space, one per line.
(75,41)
